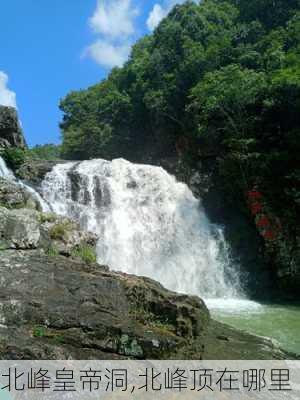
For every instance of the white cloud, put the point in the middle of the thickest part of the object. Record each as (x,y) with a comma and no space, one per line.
(113,21)
(155,16)
(159,12)
(114,18)
(108,54)
(7,97)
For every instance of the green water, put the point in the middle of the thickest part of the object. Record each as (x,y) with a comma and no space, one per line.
(279,322)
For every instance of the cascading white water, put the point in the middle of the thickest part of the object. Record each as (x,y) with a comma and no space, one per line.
(148,224)
(6,173)
(43,204)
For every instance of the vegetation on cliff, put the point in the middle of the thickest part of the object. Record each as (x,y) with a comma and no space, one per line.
(217,80)
(50,152)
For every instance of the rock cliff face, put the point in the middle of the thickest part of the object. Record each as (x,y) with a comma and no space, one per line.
(10,130)
(261,243)
(58,303)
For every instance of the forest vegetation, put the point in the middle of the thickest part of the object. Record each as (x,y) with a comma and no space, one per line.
(220,78)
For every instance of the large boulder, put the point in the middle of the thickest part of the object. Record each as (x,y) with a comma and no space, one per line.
(24,226)
(30,229)
(60,308)
(10,129)
(13,195)
(19,229)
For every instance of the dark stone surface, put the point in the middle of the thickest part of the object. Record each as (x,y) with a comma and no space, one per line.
(270,268)
(58,308)
(54,307)
(245,244)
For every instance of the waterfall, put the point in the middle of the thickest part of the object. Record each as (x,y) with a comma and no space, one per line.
(6,173)
(147,223)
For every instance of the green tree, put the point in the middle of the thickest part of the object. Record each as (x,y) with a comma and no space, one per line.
(225,101)
(45,152)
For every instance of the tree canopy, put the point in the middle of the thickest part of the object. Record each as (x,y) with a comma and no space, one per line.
(223,74)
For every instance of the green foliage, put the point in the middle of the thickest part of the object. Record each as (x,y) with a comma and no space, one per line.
(86,253)
(223,73)
(3,246)
(92,118)
(14,157)
(51,251)
(39,331)
(59,230)
(50,152)
(224,100)
(47,217)
(270,13)
(44,332)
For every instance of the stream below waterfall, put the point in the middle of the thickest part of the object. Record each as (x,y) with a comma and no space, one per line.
(280,322)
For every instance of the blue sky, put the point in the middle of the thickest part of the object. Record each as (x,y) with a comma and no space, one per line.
(50,47)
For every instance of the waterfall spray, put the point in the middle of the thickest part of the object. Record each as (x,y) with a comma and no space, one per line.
(5,172)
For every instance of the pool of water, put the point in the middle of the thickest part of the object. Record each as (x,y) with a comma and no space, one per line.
(277,321)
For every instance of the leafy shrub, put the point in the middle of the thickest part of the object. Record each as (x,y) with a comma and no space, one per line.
(14,157)
(45,152)
(39,331)
(86,253)
(58,231)
(47,217)
(52,251)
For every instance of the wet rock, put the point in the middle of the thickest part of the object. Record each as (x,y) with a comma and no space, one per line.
(4,144)
(246,247)
(75,180)
(34,171)
(101,193)
(264,244)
